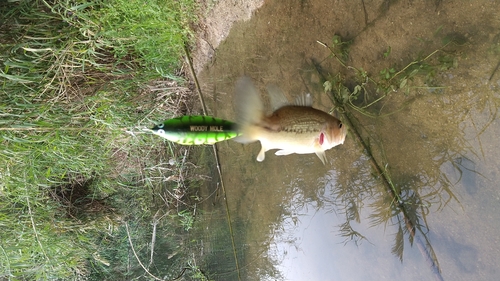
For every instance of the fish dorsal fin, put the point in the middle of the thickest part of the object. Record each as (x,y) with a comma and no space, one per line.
(304,100)
(276,97)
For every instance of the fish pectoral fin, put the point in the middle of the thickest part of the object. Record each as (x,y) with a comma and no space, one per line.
(262,154)
(322,156)
(284,152)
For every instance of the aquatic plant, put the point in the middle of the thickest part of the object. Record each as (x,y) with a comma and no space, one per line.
(368,91)
(399,202)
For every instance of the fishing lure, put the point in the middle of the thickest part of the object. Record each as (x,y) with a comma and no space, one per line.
(196,130)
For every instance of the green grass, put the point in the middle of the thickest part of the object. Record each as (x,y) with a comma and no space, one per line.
(153,30)
(74,162)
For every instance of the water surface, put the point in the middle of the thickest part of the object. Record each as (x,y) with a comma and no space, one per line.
(292,218)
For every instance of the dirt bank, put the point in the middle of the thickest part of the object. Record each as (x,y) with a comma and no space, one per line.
(214,26)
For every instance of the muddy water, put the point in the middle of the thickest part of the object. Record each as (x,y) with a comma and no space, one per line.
(293,218)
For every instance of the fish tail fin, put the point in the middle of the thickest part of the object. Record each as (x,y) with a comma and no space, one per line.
(249,110)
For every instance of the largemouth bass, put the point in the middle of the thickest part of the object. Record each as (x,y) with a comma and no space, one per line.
(291,128)
(196,130)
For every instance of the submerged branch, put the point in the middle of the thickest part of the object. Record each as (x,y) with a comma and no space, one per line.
(411,226)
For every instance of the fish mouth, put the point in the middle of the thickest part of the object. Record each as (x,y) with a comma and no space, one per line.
(336,139)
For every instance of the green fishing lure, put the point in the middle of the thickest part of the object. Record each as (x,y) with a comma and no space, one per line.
(196,130)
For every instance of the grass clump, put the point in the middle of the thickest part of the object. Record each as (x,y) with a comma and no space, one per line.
(145,30)
(79,80)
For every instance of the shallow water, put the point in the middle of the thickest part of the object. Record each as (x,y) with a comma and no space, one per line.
(292,218)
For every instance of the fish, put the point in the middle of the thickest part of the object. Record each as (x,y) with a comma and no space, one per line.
(196,130)
(291,127)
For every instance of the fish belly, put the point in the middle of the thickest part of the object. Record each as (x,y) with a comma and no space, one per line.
(287,143)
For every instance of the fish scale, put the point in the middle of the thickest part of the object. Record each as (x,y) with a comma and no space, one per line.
(287,119)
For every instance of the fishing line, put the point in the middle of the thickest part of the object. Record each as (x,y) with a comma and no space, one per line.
(216,155)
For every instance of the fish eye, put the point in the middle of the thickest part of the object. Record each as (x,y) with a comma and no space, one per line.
(160,125)
(160,131)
